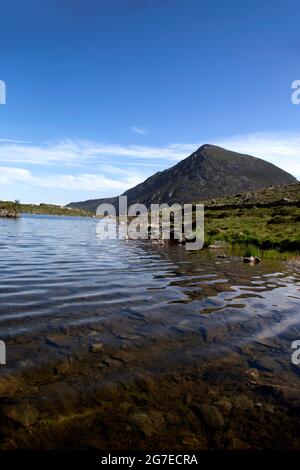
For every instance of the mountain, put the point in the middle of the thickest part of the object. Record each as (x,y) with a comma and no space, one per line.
(208,173)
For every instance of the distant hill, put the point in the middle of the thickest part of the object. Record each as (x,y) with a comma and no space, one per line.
(210,172)
(11,208)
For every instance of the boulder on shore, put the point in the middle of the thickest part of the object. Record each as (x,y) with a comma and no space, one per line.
(9,214)
(252,260)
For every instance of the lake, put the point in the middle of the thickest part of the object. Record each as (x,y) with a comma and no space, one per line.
(124,328)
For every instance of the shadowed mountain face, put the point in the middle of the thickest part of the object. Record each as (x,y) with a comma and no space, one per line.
(210,172)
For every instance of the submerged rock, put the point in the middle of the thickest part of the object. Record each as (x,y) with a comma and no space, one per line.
(237,444)
(8,444)
(58,341)
(158,242)
(210,415)
(148,423)
(23,414)
(96,347)
(242,402)
(112,362)
(252,260)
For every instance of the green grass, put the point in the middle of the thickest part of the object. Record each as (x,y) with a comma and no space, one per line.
(267,225)
(263,228)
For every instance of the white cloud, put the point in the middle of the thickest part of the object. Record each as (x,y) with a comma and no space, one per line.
(13,175)
(80,152)
(94,172)
(80,182)
(282,149)
(85,182)
(173,152)
(139,130)
(64,153)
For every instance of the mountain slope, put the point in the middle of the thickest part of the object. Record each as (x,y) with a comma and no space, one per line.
(210,172)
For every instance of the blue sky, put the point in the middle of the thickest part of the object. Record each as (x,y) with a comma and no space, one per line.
(101,94)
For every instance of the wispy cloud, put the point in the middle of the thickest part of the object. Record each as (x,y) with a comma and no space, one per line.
(109,169)
(79,182)
(139,130)
(281,149)
(15,141)
(81,152)
(65,152)
(86,182)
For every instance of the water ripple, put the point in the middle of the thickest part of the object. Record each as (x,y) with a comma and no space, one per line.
(54,271)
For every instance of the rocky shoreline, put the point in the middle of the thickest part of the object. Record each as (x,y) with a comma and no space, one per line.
(9,214)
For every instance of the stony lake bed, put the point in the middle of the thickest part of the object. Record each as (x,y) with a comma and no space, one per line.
(126,345)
